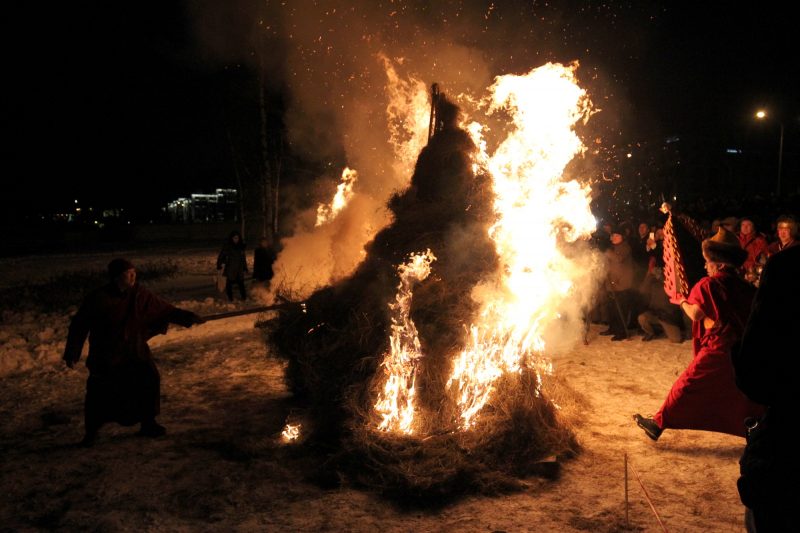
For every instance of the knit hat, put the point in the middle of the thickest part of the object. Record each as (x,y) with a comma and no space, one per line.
(724,247)
(118,266)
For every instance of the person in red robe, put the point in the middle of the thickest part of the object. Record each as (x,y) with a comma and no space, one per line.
(124,383)
(705,396)
(753,242)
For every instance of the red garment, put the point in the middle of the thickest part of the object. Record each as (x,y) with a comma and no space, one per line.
(705,396)
(756,245)
(124,383)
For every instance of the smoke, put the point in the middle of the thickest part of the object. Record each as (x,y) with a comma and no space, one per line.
(341,65)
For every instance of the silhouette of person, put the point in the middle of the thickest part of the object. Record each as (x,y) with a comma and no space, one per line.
(124,384)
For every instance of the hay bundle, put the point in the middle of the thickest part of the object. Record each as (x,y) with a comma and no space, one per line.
(334,347)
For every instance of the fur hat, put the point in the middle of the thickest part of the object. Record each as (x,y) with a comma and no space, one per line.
(118,266)
(724,247)
(729,221)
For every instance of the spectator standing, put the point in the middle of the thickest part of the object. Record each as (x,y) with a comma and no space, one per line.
(755,244)
(787,235)
(232,260)
(264,257)
(619,286)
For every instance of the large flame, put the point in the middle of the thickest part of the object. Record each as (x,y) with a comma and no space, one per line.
(344,192)
(535,208)
(537,211)
(396,401)
(407,114)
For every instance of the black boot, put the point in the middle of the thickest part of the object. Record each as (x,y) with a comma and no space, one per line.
(151,428)
(649,426)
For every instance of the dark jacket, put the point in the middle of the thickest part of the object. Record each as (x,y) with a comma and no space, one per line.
(620,267)
(233,258)
(768,371)
(263,259)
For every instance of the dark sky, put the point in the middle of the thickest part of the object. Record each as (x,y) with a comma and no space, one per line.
(124,104)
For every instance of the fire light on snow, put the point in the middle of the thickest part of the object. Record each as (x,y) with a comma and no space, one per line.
(291,432)
(344,192)
(396,401)
(536,208)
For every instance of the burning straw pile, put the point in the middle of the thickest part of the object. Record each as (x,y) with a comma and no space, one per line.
(395,424)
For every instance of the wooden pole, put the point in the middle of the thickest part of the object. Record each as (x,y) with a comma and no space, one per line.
(627,523)
(250,311)
(649,501)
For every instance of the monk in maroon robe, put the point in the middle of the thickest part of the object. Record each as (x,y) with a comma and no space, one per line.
(705,396)
(124,383)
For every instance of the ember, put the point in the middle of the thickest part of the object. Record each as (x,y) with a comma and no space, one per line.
(290,433)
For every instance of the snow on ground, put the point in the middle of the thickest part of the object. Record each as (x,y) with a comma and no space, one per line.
(222,468)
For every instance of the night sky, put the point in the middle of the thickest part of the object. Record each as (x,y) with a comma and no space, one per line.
(130,105)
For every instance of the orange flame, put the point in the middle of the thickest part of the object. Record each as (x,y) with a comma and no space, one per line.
(407,114)
(291,432)
(396,402)
(535,208)
(344,192)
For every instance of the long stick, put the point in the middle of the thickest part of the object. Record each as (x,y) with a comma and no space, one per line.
(626,490)
(649,501)
(250,311)
(619,312)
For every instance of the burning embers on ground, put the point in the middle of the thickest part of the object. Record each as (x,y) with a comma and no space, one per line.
(424,370)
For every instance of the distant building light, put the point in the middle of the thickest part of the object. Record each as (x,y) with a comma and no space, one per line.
(629,155)
(673,139)
(733,150)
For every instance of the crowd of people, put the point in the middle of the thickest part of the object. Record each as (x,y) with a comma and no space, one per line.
(743,377)
(633,301)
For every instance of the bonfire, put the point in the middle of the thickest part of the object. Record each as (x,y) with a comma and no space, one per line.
(423,373)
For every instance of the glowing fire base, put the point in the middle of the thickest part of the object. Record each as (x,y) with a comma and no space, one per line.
(361,403)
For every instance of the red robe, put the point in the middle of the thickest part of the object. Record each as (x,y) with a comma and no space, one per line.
(124,383)
(705,396)
(755,245)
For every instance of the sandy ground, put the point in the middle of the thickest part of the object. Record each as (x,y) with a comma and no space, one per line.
(221,466)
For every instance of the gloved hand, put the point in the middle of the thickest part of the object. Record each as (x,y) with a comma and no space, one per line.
(70,363)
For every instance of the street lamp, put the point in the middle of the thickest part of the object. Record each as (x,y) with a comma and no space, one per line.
(761,115)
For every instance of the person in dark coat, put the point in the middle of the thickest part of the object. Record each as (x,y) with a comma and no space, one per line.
(264,257)
(657,311)
(619,287)
(124,383)
(787,235)
(768,371)
(232,260)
